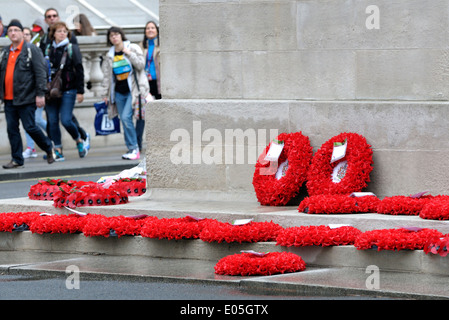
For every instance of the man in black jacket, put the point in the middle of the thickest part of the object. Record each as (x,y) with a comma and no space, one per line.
(22,89)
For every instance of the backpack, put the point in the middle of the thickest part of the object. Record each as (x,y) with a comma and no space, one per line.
(29,56)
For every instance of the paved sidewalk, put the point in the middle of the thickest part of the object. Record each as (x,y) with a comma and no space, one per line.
(98,160)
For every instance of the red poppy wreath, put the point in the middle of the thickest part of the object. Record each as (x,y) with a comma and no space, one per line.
(249,264)
(173,228)
(17,221)
(436,209)
(346,175)
(133,187)
(403,205)
(396,239)
(57,223)
(45,189)
(88,195)
(338,203)
(99,225)
(216,231)
(277,182)
(317,236)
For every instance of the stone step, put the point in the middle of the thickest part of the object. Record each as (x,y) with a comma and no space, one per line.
(228,211)
(315,256)
(337,256)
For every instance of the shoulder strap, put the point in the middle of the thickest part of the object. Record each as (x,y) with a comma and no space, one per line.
(47,50)
(135,78)
(63,60)
(69,50)
(30,54)
(2,54)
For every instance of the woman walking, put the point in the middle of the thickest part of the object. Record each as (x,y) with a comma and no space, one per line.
(124,80)
(72,87)
(151,52)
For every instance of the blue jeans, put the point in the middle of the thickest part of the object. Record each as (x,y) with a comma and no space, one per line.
(62,109)
(41,123)
(125,112)
(26,114)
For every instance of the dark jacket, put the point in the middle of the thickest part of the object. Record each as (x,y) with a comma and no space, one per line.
(73,72)
(45,41)
(30,74)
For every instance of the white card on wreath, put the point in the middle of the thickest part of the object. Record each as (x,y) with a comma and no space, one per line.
(361,194)
(240,222)
(338,225)
(339,151)
(258,254)
(275,150)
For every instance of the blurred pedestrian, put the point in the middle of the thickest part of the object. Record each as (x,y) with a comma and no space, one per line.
(26,34)
(22,89)
(51,16)
(39,29)
(30,151)
(83,27)
(151,51)
(72,87)
(2,28)
(124,79)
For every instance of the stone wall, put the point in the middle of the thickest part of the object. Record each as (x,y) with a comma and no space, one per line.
(379,68)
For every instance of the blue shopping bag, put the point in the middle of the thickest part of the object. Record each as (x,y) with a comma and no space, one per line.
(103,124)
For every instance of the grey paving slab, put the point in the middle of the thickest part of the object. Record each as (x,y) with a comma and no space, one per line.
(353,281)
(98,160)
(112,266)
(330,281)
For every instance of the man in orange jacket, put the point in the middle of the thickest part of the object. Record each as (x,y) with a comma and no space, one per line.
(22,88)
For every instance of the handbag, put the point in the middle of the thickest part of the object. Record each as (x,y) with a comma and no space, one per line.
(104,125)
(54,85)
(139,105)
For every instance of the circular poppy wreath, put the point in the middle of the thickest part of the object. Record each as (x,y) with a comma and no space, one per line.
(249,264)
(57,223)
(133,187)
(274,189)
(403,205)
(116,226)
(338,203)
(89,194)
(251,232)
(436,209)
(45,189)
(355,167)
(317,236)
(396,239)
(48,189)
(173,228)
(17,221)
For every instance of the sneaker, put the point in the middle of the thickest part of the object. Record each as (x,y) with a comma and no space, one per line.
(132,155)
(58,156)
(29,153)
(82,151)
(87,142)
(12,165)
